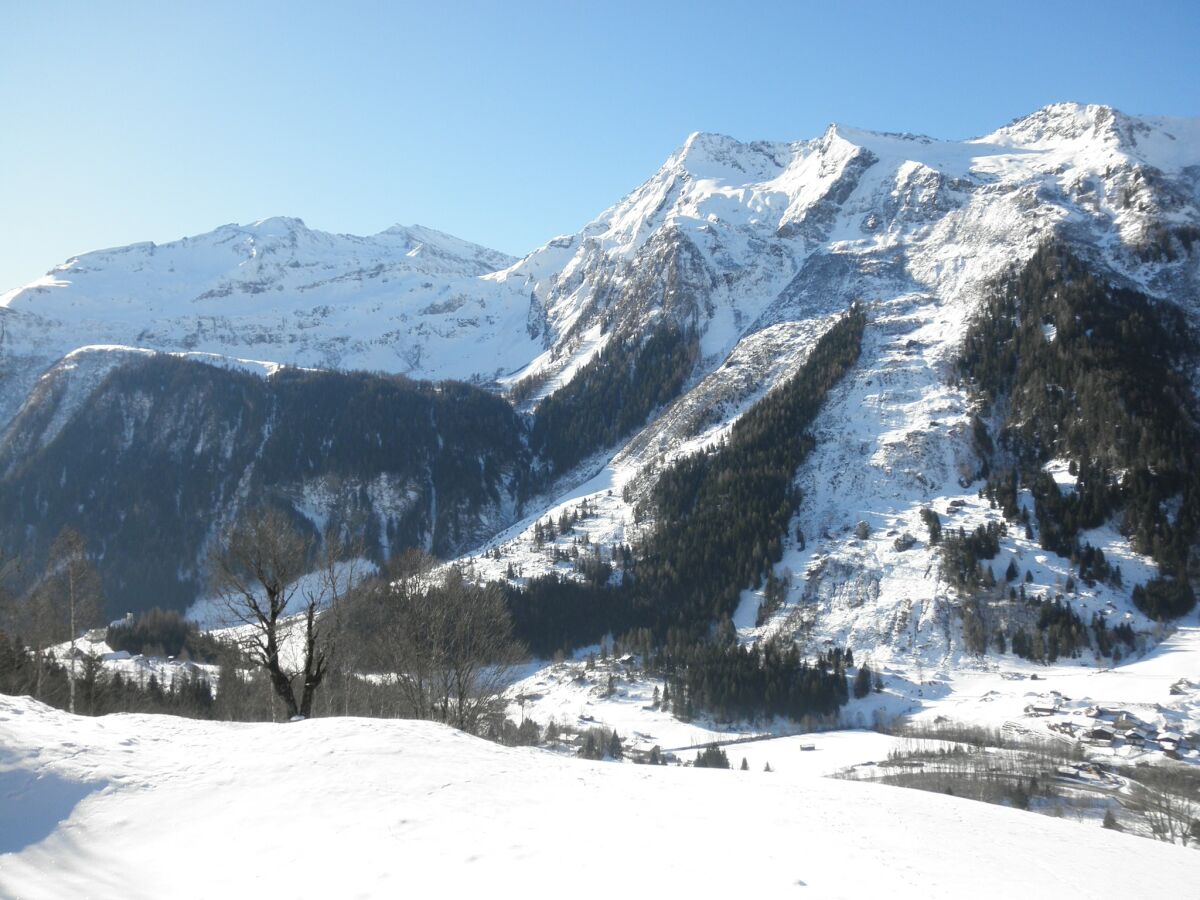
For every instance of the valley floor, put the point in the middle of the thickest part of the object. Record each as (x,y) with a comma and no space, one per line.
(1160,690)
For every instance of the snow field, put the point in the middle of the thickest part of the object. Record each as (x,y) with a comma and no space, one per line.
(355,808)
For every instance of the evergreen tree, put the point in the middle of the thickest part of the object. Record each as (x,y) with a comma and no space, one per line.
(712,757)
(862,681)
(615,750)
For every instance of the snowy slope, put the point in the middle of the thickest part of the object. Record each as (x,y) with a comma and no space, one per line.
(755,245)
(127,806)
(776,238)
(277,290)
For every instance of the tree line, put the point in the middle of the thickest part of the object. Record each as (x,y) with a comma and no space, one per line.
(613,394)
(317,633)
(720,517)
(163,445)
(1095,374)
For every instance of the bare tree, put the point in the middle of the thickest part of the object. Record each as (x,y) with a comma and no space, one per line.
(447,642)
(9,610)
(340,573)
(69,598)
(11,622)
(1168,798)
(272,582)
(482,654)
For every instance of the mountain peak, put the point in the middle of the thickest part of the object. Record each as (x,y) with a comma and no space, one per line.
(1059,123)
(278,224)
(423,239)
(1169,144)
(703,148)
(707,154)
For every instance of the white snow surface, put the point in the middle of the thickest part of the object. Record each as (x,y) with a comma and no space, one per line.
(131,806)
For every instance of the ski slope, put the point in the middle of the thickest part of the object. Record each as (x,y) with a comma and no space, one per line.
(145,806)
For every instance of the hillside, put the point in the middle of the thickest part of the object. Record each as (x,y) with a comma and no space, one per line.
(165,450)
(402,806)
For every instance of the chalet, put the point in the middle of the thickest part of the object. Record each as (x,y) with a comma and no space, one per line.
(1126,720)
(1100,734)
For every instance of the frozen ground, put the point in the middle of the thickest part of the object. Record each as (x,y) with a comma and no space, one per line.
(144,806)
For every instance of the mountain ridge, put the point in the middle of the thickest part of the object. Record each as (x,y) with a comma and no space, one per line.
(747,252)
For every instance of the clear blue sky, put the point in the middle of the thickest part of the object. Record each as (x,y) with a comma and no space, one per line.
(503,122)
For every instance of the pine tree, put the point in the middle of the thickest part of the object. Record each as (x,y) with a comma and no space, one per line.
(615,750)
(862,681)
(712,757)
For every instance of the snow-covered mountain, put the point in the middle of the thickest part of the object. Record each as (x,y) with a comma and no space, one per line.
(749,248)
(733,234)
(760,243)
(404,300)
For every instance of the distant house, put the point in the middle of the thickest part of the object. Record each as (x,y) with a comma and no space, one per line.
(1126,720)
(1100,734)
